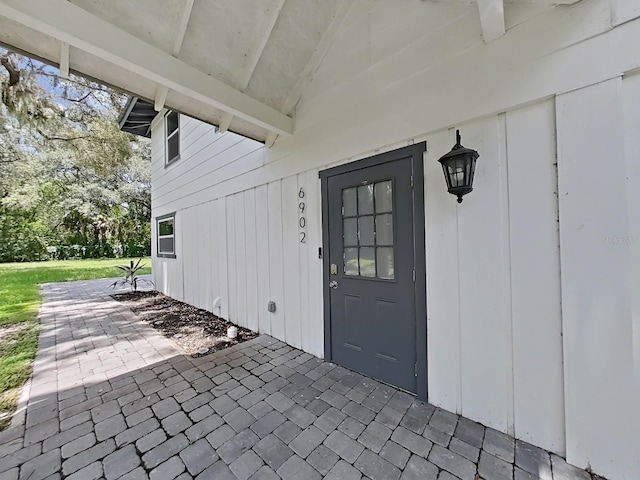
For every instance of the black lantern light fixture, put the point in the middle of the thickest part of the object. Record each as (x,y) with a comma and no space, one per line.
(459,166)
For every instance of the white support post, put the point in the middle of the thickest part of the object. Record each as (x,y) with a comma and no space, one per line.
(64,60)
(492,19)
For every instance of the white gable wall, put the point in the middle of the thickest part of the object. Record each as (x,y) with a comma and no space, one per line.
(502,347)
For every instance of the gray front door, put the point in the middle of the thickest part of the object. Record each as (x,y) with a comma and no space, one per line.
(371,237)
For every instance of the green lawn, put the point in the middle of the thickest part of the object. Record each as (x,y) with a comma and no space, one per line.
(19,304)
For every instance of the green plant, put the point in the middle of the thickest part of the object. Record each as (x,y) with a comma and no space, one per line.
(131,275)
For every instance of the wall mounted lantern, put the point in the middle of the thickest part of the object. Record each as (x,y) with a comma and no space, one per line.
(459,166)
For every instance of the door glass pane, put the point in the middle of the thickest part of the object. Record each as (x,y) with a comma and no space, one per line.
(365,231)
(349,202)
(385,262)
(384,197)
(384,229)
(367,262)
(365,200)
(350,261)
(350,232)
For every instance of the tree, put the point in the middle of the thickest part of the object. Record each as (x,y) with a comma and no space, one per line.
(71,183)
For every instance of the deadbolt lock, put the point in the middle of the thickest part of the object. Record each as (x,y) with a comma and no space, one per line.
(334,269)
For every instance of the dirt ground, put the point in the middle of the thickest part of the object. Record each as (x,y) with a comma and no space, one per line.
(197,332)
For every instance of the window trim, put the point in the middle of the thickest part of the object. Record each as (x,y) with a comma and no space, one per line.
(168,136)
(159,220)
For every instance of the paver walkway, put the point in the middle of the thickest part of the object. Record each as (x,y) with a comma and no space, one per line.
(111,398)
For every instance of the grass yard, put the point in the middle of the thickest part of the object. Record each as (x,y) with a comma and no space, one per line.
(19,305)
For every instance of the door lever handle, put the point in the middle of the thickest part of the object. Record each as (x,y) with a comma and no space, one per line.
(333,284)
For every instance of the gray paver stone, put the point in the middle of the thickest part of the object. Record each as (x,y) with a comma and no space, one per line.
(88,456)
(317,406)
(21,456)
(452,462)
(77,419)
(90,472)
(137,474)
(533,460)
(78,445)
(176,423)
(300,416)
(444,421)
(164,451)
(239,419)
(268,423)
(287,431)
(389,417)
(419,469)
(198,456)
(329,420)
(345,447)
(67,436)
(494,468)
(343,471)
(273,451)
(217,471)
(499,444)
(252,398)
(41,466)
(436,436)
(376,467)
(120,462)
(165,407)
(280,401)
(132,434)
(168,470)
(151,440)
(375,436)
(203,428)
(265,473)
(470,432)
(351,427)
(139,416)
(10,474)
(197,401)
(200,413)
(41,431)
(220,435)
(260,409)
(237,445)
(322,459)
(223,405)
(395,454)
(564,471)
(110,427)
(246,465)
(307,441)
(296,468)
(411,441)
(464,449)
(519,474)
(444,475)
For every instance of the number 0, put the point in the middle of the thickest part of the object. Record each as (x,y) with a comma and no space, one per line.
(302,222)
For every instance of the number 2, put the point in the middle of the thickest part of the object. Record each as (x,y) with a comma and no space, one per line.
(303,237)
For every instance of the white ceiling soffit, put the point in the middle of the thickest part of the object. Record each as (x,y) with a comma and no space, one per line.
(103,44)
(242,65)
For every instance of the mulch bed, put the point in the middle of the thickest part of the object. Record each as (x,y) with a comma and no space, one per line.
(197,332)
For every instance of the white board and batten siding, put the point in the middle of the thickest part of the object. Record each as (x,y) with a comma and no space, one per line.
(532,322)
(244,248)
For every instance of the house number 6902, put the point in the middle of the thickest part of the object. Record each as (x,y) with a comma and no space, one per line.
(302,219)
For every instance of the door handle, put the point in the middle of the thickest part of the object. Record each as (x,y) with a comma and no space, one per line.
(333,284)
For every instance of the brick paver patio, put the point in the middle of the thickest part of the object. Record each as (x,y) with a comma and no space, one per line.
(111,398)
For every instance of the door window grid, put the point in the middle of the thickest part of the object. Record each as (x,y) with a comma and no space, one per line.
(367,213)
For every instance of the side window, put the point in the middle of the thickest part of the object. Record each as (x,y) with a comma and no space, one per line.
(172,129)
(165,234)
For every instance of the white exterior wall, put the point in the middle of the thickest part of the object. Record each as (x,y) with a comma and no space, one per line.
(532,325)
